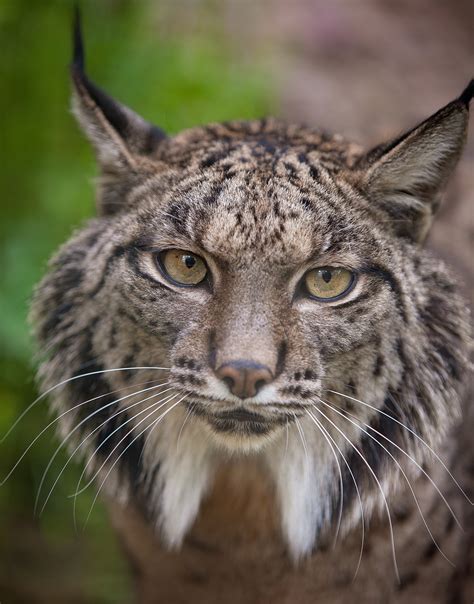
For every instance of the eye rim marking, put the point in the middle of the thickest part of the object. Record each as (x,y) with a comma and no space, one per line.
(354,279)
(159,263)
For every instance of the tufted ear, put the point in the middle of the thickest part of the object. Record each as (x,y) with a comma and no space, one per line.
(406,176)
(121,138)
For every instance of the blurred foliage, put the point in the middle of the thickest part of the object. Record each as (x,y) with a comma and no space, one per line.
(175,70)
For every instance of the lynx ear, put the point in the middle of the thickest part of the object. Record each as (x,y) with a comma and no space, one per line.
(406,176)
(121,138)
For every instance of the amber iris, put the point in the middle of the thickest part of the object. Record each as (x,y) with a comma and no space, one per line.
(182,267)
(329,283)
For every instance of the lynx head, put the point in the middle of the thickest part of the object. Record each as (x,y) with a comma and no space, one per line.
(277,276)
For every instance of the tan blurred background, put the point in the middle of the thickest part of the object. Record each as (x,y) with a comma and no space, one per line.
(365,68)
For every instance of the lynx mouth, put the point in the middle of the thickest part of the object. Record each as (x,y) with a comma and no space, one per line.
(242,415)
(240,420)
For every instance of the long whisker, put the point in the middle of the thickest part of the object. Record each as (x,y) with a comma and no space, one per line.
(156,422)
(401,470)
(411,432)
(156,406)
(287,437)
(178,440)
(125,409)
(413,460)
(148,436)
(115,448)
(329,439)
(341,483)
(75,377)
(56,419)
(160,402)
(68,436)
(302,437)
(392,537)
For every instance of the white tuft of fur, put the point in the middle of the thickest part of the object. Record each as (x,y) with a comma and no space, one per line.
(186,466)
(301,477)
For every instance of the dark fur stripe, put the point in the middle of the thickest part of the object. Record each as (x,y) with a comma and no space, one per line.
(376,457)
(392,281)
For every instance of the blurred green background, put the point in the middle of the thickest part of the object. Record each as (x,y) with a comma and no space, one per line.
(175,69)
(367,69)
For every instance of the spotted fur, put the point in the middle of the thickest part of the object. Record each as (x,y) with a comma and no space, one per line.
(262,202)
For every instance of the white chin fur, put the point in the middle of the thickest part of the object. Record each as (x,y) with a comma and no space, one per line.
(302,487)
(187,471)
(187,461)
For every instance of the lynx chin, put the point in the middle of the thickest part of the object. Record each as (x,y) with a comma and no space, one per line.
(254,354)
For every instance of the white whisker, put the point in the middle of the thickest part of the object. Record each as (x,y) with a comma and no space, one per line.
(68,436)
(56,419)
(392,537)
(75,377)
(303,439)
(341,484)
(329,439)
(422,470)
(411,432)
(154,424)
(155,406)
(182,426)
(401,470)
(160,404)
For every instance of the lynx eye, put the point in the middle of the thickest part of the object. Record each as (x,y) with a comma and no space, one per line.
(329,283)
(182,267)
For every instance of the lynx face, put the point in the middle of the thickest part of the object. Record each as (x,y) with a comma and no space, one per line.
(260,289)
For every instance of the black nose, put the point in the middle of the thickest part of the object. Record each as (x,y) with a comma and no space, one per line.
(244,378)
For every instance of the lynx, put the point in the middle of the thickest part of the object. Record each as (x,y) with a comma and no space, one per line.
(259,362)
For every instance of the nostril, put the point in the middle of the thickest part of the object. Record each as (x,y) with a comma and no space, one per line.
(244,378)
(229,382)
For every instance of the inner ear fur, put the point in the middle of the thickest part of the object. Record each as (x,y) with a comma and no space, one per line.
(406,176)
(124,142)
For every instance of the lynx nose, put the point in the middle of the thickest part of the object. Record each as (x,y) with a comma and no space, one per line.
(244,378)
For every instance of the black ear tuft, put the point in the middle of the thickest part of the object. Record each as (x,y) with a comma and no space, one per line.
(121,138)
(78,57)
(108,123)
(110,108)
(467,94)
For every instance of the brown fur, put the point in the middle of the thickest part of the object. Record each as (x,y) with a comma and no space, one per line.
(356,383)
(234,553)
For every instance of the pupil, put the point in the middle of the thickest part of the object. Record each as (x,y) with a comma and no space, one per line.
(189,261)
(326,275)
